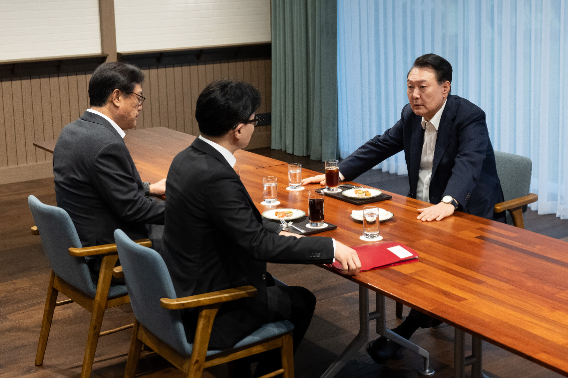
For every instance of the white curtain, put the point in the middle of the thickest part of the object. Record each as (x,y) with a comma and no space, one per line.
(510,57)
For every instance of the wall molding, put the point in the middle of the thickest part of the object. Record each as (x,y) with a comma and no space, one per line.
(51,66)
(204,54)
(26,172)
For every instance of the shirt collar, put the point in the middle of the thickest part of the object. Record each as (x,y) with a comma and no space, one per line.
(222,150)
(436,119)
(116,127)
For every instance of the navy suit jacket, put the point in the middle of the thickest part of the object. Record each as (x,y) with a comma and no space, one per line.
(97,183)
(464,161)
(215,239)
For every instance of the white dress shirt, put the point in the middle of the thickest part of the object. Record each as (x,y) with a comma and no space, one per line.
(427,158)
(116,127)
(222,150)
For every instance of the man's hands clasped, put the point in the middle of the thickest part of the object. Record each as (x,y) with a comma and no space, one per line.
(158,189)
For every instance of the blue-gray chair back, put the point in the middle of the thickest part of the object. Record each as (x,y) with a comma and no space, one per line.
(58,234)
(514,172)
(148,280)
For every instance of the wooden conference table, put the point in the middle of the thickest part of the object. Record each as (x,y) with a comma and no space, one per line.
(501,284)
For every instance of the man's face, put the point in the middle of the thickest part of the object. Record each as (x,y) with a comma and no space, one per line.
(425,95)
(129,108)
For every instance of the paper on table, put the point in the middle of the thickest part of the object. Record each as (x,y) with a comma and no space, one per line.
(400,252)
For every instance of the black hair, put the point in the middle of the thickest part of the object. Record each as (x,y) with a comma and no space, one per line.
(442,67)
(110,76)
(224,104)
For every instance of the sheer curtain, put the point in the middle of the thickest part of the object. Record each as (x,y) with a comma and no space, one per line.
(510,57)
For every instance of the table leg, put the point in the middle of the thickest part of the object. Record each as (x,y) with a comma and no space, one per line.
(383,330)
(461,361)
(362,337)
(359,341)
(459,354)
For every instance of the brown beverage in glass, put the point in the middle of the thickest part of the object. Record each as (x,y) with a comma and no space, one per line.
(332,175)
(315,209)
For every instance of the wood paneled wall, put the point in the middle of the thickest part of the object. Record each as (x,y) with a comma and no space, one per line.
(171,93)
(37,107)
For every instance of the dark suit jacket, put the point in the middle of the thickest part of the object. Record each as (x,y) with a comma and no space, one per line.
(464,162)
(215,239)
(97,183)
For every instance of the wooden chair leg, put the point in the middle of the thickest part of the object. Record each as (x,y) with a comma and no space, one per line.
(49,308)
(134,352)
(201,340)
(99,307)
(517,215)
(399,308)
(287,355)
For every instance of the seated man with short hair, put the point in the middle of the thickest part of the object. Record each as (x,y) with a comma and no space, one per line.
(96,181)
(215,238)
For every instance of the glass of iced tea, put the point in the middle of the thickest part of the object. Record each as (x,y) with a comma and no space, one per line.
(315,209)
(332,175)
(270,189)
(294,175)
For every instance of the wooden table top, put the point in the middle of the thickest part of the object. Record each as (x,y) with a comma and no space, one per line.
(154,149)
(503,284)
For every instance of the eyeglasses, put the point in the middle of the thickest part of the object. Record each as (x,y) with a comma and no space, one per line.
(255,121)
(141,98)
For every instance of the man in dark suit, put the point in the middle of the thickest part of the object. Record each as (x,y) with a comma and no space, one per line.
(215,238)
(96,181)
(450,160)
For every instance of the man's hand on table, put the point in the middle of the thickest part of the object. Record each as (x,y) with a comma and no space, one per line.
(436,212)
(348,259)
(158,189)
(314,180)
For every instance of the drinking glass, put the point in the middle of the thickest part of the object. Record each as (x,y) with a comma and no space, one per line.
(315,209)
(294,175)
(332,175)
(270,189)
(371,222)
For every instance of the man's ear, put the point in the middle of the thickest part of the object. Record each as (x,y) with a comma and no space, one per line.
(237,131)
(115,97)
(447,87)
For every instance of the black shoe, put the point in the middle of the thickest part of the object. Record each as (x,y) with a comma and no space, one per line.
(382,350)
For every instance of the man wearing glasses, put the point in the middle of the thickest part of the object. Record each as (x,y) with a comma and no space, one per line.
(215,238)
(96,181)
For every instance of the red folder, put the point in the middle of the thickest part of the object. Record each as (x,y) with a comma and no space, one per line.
(382,255)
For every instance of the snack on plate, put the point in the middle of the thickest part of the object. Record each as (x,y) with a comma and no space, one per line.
(362,193)
(283,214)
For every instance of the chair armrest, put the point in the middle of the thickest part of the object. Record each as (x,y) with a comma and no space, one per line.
(208,298)
(34,230)
(103,249)
(117,272)
(515,203)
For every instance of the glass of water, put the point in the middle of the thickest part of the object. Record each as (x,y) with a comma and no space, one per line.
(270,189)
(371,222)
(294,175)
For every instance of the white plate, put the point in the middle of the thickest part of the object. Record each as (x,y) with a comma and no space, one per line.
(271,214)
(383,215)
(351,193)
